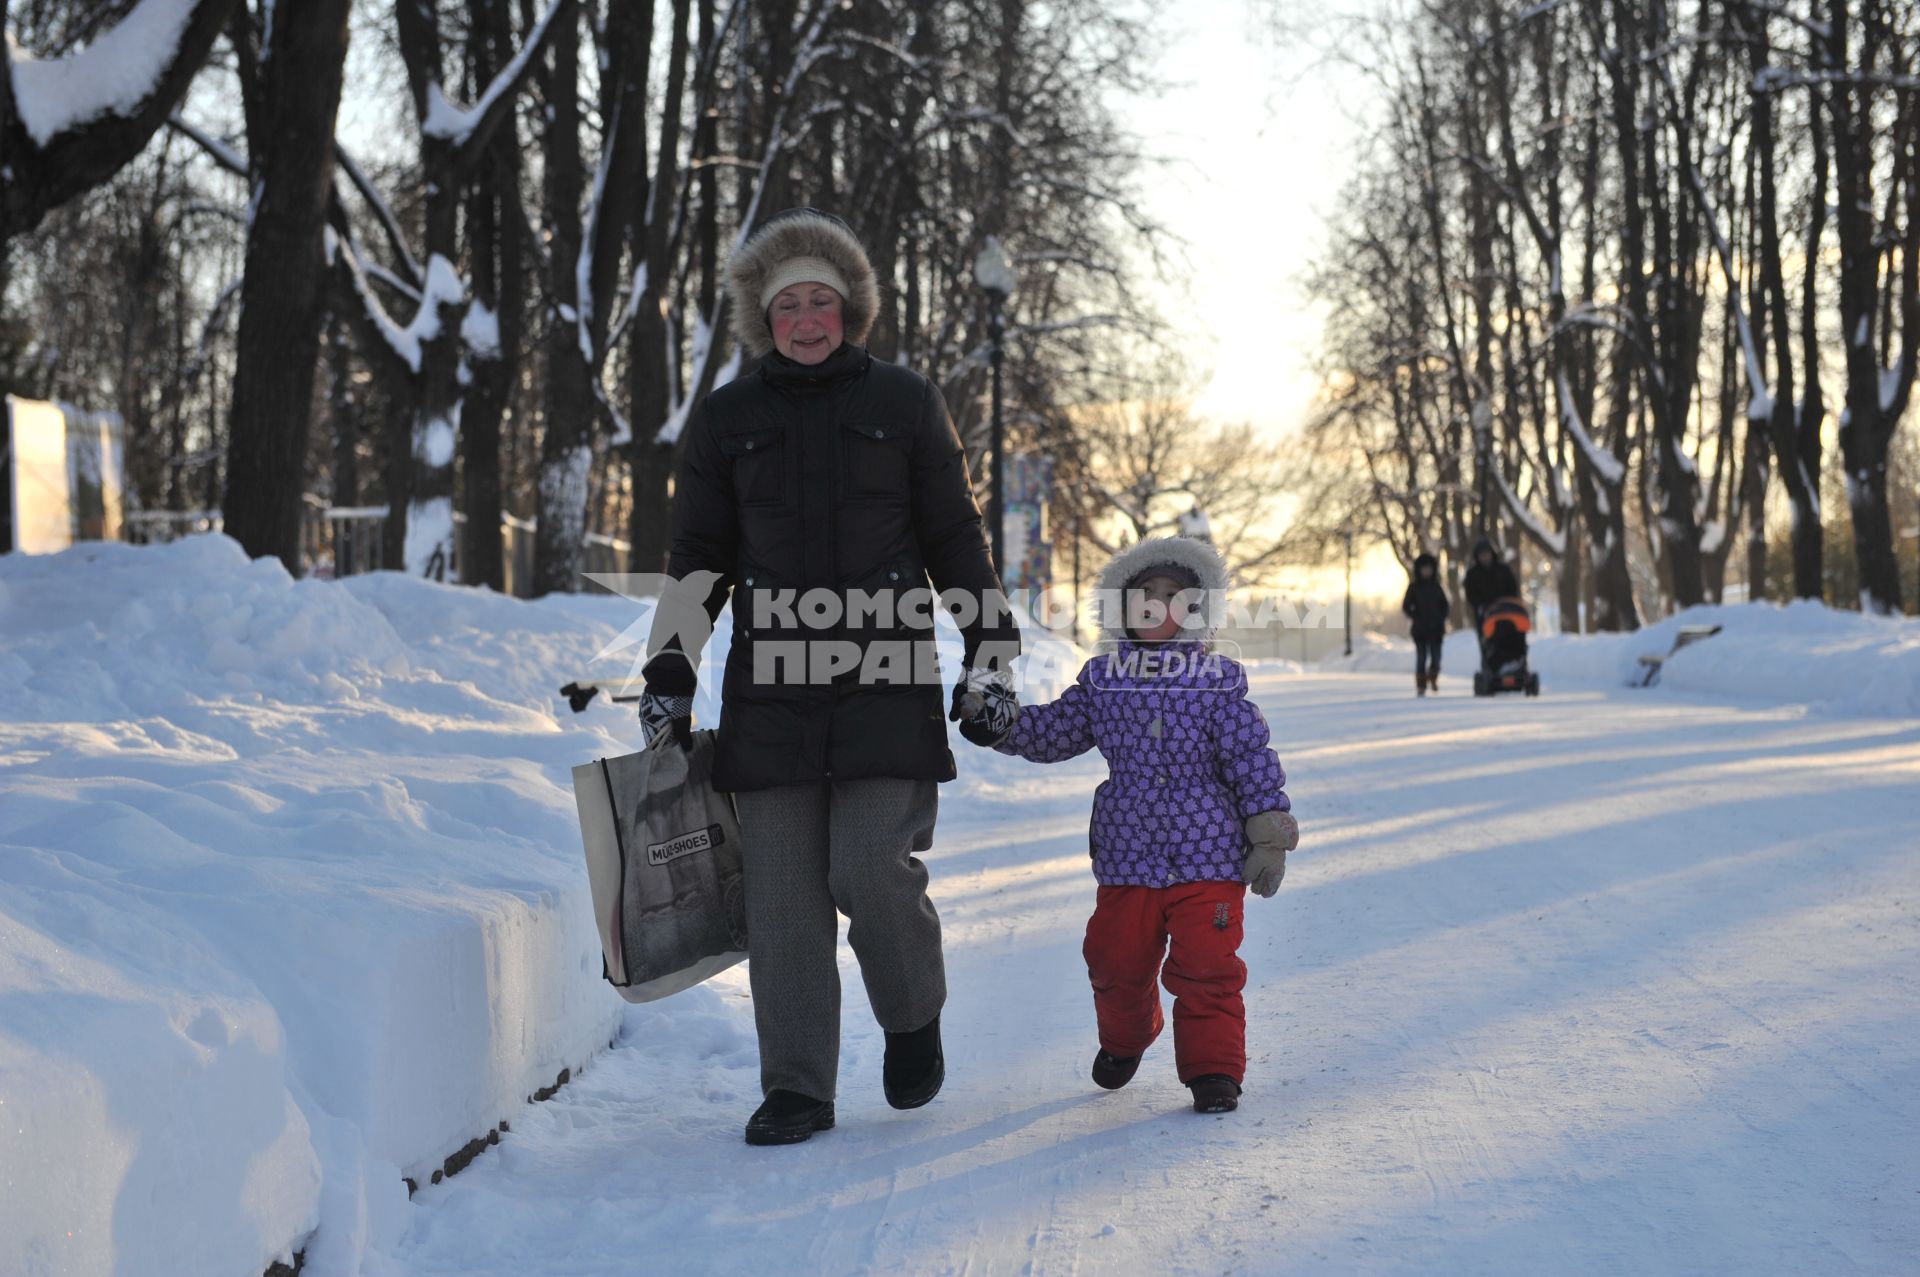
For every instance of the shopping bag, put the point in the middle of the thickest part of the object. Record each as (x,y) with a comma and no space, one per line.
(663,862)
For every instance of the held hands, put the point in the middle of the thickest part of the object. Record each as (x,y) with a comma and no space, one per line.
(668,716)
(985,705)
(1273,834)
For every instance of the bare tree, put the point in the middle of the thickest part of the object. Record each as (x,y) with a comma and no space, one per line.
(1871,45)
(293,62)
(1151,463)
(421,361)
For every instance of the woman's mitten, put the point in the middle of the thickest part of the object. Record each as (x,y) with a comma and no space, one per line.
(667,715)
(985,705)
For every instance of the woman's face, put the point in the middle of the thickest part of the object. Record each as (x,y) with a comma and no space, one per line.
(1155,608)
(807,326)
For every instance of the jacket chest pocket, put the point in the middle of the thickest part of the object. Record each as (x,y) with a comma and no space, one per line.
(760,465)
(873,460)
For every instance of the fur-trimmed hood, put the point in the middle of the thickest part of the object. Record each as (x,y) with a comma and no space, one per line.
(1198,558)
(799,232)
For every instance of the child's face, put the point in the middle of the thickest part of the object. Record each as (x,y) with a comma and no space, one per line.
(1155,609)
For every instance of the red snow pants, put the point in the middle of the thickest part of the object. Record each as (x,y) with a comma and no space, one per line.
(1188,935)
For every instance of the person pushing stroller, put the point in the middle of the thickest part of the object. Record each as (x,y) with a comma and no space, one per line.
(1502,621)
(1490,578)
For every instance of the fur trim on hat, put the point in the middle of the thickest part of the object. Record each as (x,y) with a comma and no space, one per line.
(1189,556)
(801,232)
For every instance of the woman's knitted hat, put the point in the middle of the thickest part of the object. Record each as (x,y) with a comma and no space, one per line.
(801,245)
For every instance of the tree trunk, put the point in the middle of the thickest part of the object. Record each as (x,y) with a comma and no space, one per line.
(1601,493)
(429,543)
(343,412)
(1569,578)
(496,248)
(650,378)
(566,450)
(1873,410)
(281,296)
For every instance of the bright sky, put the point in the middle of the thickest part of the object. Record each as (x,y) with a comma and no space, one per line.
(1260,145)
(1263,132)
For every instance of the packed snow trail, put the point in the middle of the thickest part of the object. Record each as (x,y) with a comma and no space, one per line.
(1599,983)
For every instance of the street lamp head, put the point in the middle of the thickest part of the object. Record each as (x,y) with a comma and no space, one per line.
(991,269)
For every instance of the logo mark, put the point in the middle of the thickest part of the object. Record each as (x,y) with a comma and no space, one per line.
(659,853)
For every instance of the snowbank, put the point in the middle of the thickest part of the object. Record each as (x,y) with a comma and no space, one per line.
(291,898)
(292,904)
(1796,653)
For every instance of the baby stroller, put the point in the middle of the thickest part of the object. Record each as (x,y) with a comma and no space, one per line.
(1503,650)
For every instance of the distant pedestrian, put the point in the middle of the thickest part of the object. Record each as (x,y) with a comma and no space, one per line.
(1426,607)
(1489,579)
(1192,814)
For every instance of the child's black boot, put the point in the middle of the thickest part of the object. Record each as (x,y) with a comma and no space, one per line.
(1215,1093)
(1114,1071)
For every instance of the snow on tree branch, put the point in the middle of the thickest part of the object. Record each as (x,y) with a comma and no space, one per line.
(469,128)
(1773,79)
(115,75)
(383,213)
(1710,214)
(443,285)
(1554,543)
(1604,463)
(220,152)
(70,123)
(585,306)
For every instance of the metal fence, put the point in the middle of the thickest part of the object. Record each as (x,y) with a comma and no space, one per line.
(337,541)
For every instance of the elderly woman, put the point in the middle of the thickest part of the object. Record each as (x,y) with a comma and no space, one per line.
(820,479)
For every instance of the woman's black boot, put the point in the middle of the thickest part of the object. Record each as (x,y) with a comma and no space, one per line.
(915,1066)
(788,1117)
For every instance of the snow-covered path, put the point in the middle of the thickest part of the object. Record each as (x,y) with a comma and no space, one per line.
(1600,983)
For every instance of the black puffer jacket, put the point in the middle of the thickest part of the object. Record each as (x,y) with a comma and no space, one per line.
(1426,604)
(845,475)
(1489,581)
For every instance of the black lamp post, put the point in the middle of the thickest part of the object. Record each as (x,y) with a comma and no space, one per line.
(994,273)
(1348,534)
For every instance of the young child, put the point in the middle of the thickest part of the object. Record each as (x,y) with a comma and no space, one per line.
(1193,812)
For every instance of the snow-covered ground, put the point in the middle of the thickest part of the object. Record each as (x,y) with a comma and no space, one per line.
(1766,653)
(291,905)
(1598,983)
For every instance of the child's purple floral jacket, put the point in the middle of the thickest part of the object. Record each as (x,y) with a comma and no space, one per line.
(1188,755)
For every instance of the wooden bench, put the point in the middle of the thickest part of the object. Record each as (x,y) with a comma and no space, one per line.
(1688,635)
